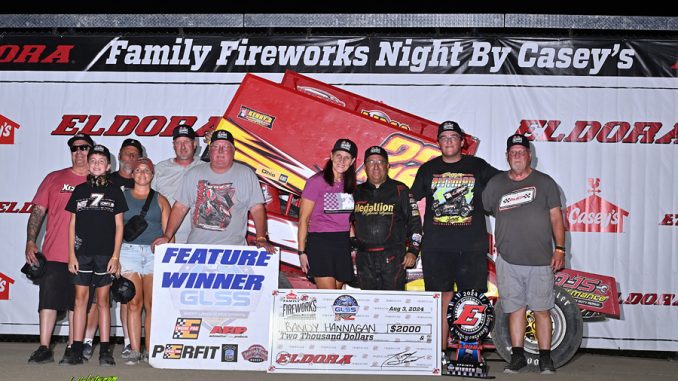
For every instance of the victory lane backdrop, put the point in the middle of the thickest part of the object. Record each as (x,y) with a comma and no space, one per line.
(601,114)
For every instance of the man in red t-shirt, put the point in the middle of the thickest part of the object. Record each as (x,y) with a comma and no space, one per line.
(56,290)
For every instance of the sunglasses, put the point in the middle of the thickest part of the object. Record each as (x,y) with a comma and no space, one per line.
(83,147)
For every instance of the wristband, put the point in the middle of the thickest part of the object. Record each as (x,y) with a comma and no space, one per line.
(261,238)
(560,248)
(301,252)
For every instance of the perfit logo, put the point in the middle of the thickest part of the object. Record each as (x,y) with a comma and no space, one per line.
(595,214)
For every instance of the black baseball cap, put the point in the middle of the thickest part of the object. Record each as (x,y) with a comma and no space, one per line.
(517,139)
(222,135)
(80,136)
(101,150)
(376,150)
(134,143)
(347,146)
(450,126)
(183,130)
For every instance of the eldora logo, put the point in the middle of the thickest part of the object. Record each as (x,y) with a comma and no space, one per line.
(584,131)
(13,207)
(124,125)
(35,53)
(284,358)
(471,315)
(669,220)
(594,214)
(7,128)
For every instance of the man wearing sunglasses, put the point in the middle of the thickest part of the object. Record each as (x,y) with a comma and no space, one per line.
(56,291)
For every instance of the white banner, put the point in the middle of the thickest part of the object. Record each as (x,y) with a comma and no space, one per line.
(362,332)
(610,143)
(211,306)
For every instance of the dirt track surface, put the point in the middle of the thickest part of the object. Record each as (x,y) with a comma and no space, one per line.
(587,365)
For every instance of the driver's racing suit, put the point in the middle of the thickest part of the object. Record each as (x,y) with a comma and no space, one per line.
(387,225)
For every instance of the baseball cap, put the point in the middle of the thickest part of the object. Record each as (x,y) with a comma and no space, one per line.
(517,139)
(80,136)
(450,126)
(222,135)
(376,150)
(134,143)
(101,150)
(146,161)
(347,146)
(183,130)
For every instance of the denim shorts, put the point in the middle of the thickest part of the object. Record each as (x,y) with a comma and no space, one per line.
(136,259)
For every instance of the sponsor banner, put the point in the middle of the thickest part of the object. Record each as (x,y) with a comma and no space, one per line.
(275,54)
(597,293)
(356,332)
(211,307)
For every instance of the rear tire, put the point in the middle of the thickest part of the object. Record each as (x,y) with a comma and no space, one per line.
(568,327)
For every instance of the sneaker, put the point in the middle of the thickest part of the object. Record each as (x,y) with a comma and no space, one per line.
(106,358)
(546,365)
(71,358)
(87,351)
(42,355)
(134,358)
(67,353)
(126,351)
(517,363)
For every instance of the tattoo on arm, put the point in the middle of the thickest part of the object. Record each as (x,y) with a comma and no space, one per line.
(34,223)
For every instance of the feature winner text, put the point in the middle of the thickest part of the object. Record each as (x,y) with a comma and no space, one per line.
(213,279)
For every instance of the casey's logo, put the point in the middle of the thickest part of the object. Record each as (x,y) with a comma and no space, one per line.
(595,214)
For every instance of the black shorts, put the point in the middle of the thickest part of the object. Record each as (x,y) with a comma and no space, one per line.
(442,268)
(381,270)
(56,290)
(92,271)
(329,255)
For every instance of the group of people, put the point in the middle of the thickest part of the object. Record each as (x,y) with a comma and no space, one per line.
(87,208)
(380,221)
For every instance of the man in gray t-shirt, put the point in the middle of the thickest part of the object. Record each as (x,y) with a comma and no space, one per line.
(170,172)
(526,205)
(220,195)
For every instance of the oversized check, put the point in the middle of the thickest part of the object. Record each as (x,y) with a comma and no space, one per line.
(367,332)
(211,306)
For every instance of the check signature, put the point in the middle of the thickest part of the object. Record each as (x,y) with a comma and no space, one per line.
(401,358)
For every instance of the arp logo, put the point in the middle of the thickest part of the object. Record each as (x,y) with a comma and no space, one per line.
(7,128)
(595,214)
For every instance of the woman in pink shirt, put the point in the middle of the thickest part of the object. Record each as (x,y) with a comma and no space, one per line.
(326,205)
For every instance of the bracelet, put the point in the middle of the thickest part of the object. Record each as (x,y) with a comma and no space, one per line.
(262,238)
(560,248)
(301,252)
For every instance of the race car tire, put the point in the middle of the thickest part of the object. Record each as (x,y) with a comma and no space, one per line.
(568,327)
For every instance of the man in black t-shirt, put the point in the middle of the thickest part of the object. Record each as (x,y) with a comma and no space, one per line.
(455,244)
